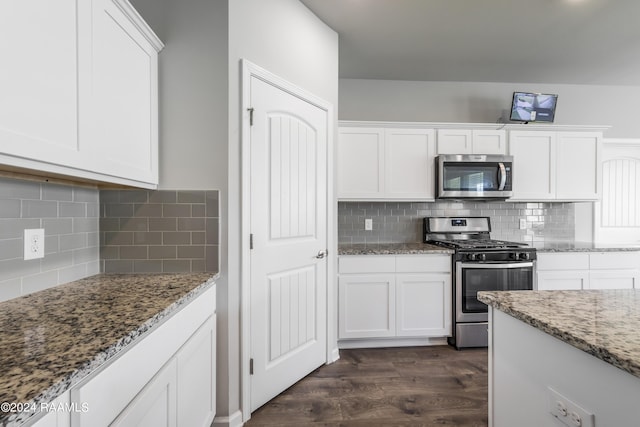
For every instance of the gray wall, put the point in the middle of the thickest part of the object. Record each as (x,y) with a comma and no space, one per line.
(69,216)
(477,102)
(401,222)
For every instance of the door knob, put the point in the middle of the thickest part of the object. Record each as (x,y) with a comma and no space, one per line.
(322,254)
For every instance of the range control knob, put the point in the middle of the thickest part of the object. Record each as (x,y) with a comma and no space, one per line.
(472,257)
(482,257)
(524,256)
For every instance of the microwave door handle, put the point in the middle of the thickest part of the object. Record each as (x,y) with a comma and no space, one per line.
(502,176)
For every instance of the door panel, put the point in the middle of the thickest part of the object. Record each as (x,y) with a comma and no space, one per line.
(289,228)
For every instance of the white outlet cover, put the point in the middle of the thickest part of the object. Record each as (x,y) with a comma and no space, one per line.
(34,243)
(568,412)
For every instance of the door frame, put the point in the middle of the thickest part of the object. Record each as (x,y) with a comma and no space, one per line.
(250,70)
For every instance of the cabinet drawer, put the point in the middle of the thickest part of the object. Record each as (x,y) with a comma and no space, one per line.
(423,264)
(367,264)
(611,260)
(563,261)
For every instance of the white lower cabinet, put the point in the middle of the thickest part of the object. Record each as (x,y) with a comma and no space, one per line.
(594,270)
(386,296)
(167,379)
(53,417)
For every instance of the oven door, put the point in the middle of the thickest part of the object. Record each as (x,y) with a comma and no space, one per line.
(473,277)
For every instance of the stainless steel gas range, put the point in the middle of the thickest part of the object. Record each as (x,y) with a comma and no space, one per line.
(479,264)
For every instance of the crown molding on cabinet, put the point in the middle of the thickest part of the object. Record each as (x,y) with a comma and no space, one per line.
(139,23)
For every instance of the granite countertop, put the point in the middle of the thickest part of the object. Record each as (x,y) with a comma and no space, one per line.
(391,249)
(52,339)
(603,323)
(576,246)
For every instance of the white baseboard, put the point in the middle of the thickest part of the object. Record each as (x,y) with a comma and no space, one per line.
(233,420)
(335,355)
(391,342)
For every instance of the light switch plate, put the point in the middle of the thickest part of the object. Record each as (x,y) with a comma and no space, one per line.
(33,243)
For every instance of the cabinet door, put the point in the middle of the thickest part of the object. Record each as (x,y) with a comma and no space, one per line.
(196,363)
(366,306)
(360,163)
(454,141)
(57,418)
(614,279)
(562,280)
(533,164)
(122,128)
(155,405)
(409,164)
(423,305)
(39,46)
(489,142)
(578,157)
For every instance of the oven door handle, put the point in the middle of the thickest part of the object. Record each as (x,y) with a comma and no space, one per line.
(502,176)
(497,266)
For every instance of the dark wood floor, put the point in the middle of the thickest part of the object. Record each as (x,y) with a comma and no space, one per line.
(411,386)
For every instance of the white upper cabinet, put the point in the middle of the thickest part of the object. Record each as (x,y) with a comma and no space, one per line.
(555,165)
(39,46)
(471,141)
(385,164)
(80,92)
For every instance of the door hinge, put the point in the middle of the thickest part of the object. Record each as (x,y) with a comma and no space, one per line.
(250,110)
(251,241)
(251,366)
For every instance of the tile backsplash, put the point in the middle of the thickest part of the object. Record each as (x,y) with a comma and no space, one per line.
(69,216)
(401,222)
(144,231)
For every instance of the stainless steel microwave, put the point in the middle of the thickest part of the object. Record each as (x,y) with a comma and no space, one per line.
(469,176)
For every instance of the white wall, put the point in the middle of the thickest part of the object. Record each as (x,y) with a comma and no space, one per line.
(477,102)
(285,38)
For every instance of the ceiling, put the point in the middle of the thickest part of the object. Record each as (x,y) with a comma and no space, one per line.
(520,41)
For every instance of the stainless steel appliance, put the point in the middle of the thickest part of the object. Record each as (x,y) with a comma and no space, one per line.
(479,264)
(470,176)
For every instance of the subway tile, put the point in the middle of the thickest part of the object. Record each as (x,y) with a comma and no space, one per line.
(191,196)
(198,265)
(10,208)
(86,195)
(191,224)
(51,244)
(176,211)
(163,252)
(163,196)
(109,224)
(212,230)
(147,238)
(40,281)
(14,228)
(16,268)
(85,225)
(70,274)
(73,241)
(39,209)
(11,249)
(134,252)
(53,226)
(119,210)
(147,210)
(72,209)
(176,266)
(134,196)
(176,238)
(86,255)
(212,203)
(93,210)
(19,189)
(56,261)
(163,224)
(118,266)
(148,266)
(10,289)
(110,252)
(198,210)
(191,251)
(57,192)
(109,196)
(134,224)
(199,238)
(118,238)
(212,258)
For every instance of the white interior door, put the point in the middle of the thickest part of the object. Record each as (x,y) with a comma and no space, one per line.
(617,215)
(289,230)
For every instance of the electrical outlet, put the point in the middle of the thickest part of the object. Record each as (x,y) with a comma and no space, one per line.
(368,224)
(34,243)
(523,223)
(568,412)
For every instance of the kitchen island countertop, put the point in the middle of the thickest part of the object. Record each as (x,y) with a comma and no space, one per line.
(603,323)
(52,339)
(391,249)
